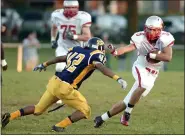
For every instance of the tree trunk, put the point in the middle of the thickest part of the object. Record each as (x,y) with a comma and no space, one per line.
(132,17)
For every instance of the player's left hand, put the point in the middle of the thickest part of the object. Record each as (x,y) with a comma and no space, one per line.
(54,44)
(112,49)
(69,35)
(40,67)
(4,65)
(123,83)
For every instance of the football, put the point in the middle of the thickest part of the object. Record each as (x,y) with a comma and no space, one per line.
(152,60)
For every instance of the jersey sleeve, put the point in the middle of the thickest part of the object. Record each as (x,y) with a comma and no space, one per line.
(54,15)
(85,19)
(97,58)
(167,39)
(136,39)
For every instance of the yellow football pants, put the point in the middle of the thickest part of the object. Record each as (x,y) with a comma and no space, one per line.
(58,89)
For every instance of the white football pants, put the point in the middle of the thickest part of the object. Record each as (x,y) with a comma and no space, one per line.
(143,79)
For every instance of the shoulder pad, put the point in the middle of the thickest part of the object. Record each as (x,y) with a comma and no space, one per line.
(85,18)
(167,38)
(84,14)
(56,12)
(137,37)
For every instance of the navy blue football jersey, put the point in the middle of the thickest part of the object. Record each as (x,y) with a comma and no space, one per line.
(80,65)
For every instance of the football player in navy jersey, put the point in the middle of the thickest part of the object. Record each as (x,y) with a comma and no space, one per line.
(80,64)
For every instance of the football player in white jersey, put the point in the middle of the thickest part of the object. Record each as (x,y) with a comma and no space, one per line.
(73,28)
(154,47)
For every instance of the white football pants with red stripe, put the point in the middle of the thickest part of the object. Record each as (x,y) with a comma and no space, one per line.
(143,78)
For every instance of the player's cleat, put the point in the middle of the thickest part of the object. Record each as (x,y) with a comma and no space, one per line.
(125,118)
(5,119)
(98,122)
(57,129)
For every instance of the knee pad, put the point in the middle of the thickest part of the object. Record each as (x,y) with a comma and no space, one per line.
(38,110)
(86,110)
(60,66)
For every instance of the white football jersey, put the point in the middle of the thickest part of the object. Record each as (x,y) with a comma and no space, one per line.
(75,24)
(143,46)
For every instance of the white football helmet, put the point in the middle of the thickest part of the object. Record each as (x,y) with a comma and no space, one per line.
(153,27)
(71,8)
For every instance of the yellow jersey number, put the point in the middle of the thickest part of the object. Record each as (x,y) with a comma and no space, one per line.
(71,64)
(102,58)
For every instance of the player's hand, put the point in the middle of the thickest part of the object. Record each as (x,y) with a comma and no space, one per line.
(4,65)
(54,44)
(147,56)
(112,49)
(123,83)
(69,35)
(40,67)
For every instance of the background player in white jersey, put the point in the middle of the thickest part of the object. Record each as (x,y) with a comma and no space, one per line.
(154,47)
(73,28)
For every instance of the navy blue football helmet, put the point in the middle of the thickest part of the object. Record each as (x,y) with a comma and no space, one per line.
(96,43)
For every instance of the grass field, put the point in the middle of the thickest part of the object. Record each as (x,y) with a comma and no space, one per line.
(161,112)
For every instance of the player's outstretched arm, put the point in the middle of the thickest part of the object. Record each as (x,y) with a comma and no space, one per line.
(106,71)
(122,50)
(55,60)
(43,66)
(165,55)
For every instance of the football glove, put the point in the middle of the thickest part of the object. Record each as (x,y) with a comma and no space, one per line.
(4,65)
(40,67)
(123,83)
(112,49)
(70,35)
(54,44)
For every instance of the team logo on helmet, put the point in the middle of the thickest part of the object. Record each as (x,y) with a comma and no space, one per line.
(96,43)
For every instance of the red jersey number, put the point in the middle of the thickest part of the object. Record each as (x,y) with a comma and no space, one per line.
(65,27)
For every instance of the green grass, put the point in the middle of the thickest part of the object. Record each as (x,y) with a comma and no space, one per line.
(161,112)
